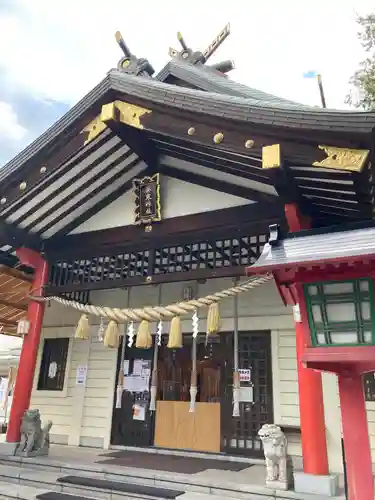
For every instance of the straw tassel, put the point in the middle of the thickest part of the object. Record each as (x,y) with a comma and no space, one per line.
(112,335)
(83,328)
(213,319)
(144,338)
(175,334)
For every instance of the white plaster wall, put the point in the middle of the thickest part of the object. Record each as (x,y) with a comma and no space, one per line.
(83,415)
(178,198)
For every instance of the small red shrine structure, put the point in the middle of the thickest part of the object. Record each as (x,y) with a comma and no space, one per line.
(328,276)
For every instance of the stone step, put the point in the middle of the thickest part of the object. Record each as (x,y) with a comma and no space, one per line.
(22,492)
(84,485)
(44,472)
(12,491)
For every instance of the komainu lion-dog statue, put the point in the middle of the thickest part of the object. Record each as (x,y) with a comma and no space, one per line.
(34,438)
(278,464)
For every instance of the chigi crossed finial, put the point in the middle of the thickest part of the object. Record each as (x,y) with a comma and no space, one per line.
(130,63)
(194,57)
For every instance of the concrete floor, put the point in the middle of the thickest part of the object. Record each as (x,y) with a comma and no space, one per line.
(241,484)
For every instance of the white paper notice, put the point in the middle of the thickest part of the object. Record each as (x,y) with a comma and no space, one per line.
(126,367)
(119,390)
(137,367)
(139,412)
(246,395)
(81,373)
(135,384)
(245,375)
(4,384)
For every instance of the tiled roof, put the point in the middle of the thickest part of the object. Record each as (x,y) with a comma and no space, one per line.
(257,108)
(211,80)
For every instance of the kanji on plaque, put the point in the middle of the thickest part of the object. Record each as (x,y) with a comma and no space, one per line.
(147,199)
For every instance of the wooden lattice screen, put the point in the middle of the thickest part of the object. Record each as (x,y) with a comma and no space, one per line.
(134,267)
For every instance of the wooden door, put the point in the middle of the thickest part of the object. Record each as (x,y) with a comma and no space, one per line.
(176,427)
(126,430)
(240,435)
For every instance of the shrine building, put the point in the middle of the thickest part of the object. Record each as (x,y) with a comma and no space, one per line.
(156,190)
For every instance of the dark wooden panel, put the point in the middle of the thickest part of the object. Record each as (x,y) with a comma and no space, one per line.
(230,219)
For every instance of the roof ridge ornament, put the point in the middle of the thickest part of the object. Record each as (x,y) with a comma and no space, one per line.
(195,57)
(131,64)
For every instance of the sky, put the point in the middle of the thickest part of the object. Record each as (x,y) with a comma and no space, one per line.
(53,53)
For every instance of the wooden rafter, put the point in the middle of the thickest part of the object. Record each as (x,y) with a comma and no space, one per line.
(81,188)
(14,290)
(138,142)
(218,185)
(15,236)
(15,273)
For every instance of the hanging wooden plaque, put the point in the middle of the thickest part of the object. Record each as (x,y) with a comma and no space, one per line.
(147,199)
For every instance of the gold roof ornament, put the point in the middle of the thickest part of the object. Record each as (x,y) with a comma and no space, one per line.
(343,158)
(117,111)
(271,156)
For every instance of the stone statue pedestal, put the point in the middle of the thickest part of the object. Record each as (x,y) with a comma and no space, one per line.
(8,449)
(316,485)
(277,485)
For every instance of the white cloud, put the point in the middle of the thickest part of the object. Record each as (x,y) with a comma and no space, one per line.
(60,50)
(10,128)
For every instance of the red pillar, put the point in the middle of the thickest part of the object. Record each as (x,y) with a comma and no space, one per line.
(356,438)
(311,409)
(311,404)
(27,362)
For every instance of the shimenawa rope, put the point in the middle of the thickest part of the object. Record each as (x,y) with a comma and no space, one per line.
(156,313)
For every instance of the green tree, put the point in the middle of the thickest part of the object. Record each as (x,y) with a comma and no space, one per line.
(363,81)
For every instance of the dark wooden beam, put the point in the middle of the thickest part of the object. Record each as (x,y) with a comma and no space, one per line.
(11,234)
(298,146)
(7,322)
(93,193)
(179,230)
(138,142)
(241,163)
(62,234)
(59,149)
(38,181)
(19,306)
(215,162)
(217,185)
(81,188)
(15,273)
(288,191)
(223,272)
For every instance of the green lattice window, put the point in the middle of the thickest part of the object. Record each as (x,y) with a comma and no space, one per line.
(341,313)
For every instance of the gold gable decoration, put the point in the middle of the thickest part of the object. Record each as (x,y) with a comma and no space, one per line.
(118,112)
(352,160)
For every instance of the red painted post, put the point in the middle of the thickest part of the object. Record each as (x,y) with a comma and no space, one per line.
(311,409)
(356,438)
(27,362)
(311,404)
